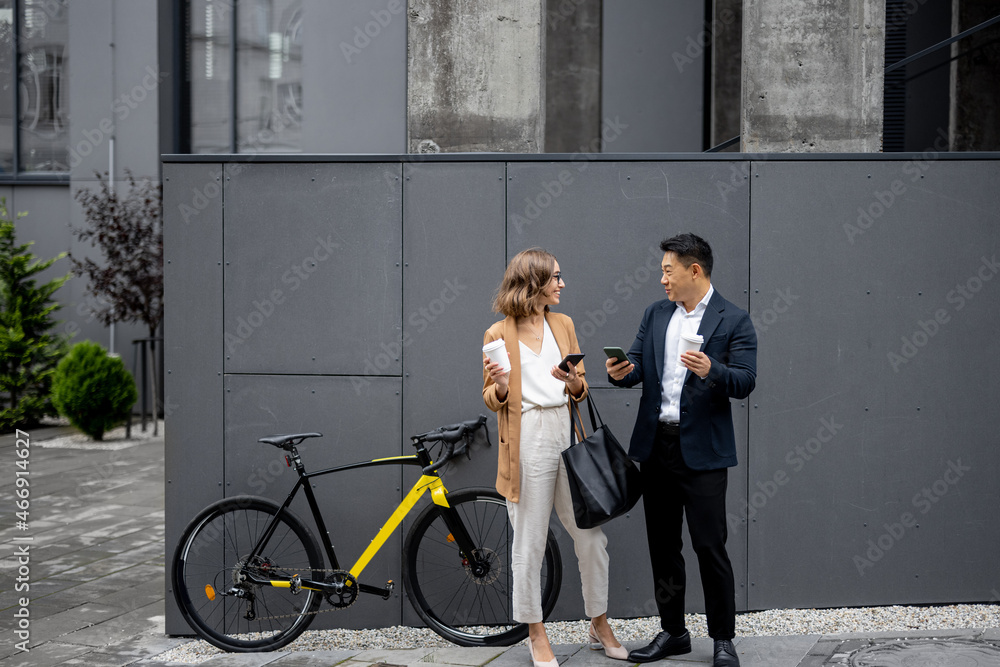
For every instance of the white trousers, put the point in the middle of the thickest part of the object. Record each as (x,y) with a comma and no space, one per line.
(544,435)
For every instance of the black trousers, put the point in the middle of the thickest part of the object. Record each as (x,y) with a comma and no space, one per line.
(671,490)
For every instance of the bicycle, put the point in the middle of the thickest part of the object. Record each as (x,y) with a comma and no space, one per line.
(248,575)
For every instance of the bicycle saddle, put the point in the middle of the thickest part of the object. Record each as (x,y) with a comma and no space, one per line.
(284,441)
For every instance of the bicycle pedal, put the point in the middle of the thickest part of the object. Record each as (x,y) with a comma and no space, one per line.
(387,591)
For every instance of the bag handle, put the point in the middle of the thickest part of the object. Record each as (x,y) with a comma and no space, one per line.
(578,421)
(576,431)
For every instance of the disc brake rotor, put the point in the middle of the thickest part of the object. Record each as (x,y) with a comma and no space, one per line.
(487,558)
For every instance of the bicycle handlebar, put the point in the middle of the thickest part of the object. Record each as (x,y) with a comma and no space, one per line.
(449,436)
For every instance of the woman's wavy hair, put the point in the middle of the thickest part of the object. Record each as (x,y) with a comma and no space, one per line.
(527,275)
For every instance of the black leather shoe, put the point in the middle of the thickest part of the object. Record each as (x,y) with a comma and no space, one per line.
(664,645)
(725,654)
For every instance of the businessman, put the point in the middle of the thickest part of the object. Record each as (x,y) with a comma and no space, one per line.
(684,441)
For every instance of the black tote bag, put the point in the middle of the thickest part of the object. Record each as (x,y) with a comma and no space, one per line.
(603,481)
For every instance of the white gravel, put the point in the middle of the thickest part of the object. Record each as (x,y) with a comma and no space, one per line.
(771,623)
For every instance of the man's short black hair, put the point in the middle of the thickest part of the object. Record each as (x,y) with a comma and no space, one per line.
(690,248)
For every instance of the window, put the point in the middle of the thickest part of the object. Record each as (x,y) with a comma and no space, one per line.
(34,37)
(263,112)
(7,75)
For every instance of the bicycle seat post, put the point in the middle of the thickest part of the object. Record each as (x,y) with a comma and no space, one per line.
(293,460)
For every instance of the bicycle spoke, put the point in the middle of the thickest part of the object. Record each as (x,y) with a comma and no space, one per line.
(216,547)
(469,603)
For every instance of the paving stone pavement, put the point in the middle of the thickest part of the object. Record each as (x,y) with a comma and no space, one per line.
(96,575)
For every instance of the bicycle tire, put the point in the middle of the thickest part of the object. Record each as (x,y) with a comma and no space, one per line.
(209,554)
(461,607)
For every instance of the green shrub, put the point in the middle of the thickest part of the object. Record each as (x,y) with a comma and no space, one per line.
(29,349)
(93,390)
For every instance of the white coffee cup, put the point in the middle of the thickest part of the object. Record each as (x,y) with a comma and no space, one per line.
(497,351)
(689,343)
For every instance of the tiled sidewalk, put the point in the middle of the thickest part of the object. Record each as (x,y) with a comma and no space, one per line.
(97,584)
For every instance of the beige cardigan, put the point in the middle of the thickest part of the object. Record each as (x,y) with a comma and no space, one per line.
(509,410)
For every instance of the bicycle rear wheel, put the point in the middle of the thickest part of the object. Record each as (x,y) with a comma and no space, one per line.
(465,607)
(217,603)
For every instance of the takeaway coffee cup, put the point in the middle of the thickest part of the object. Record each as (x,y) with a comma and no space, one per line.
(689,343)
(497,351)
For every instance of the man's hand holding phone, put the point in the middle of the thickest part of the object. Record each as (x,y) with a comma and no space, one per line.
(618,365)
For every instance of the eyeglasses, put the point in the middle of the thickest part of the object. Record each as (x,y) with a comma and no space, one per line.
(558,277)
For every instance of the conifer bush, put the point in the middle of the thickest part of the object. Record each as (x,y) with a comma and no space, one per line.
(29,347)
(93,390)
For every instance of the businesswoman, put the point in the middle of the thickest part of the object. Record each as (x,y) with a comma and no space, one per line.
(532,406)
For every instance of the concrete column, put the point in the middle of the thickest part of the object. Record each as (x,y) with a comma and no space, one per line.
(812,76)
(573,75)
(975,108)
(476,76)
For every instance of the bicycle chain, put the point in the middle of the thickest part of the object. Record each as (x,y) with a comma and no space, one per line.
(310,613)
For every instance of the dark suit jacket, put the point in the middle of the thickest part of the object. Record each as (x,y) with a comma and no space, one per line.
(707,439)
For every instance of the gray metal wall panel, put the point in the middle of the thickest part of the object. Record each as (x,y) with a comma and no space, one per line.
(91,89)
(312,260)
(453,261)
(854,284)
(878,382)
(357,425)
(652,75)
(193,295)
(45,225)
(604,223)
(348,47)
(134,105)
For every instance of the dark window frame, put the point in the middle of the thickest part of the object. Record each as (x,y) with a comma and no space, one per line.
(16,176)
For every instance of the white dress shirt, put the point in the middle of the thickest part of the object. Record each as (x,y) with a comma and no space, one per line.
(674,372)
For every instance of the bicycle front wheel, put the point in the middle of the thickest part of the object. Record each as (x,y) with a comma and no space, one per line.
(218,602)
(467,605)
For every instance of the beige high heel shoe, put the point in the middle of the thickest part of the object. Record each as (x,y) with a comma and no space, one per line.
(548,663)
(615,652)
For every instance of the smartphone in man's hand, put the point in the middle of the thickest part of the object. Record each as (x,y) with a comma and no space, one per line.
(616,353)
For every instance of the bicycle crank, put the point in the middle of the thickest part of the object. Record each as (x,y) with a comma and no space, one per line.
(342,589)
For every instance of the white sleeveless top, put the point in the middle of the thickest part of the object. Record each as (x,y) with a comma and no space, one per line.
(538,388)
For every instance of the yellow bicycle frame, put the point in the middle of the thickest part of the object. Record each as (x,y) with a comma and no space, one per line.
(425,483)
(439,495)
